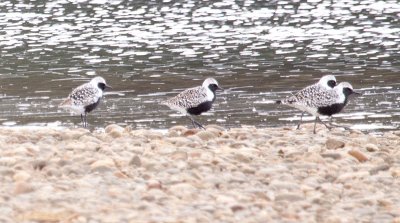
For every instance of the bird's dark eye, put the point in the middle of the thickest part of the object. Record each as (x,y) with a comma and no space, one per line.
(102,86)
(331,83)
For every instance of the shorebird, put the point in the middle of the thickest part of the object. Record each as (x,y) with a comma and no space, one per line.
(324,102)
(85,98)
(326,82)
(194,101)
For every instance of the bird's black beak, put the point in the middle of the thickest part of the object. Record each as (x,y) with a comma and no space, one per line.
(356,93)
(220,88)
(108,87)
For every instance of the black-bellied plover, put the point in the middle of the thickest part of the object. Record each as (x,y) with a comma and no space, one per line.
(326,82)
(324,102)
(194,101)
(85,98)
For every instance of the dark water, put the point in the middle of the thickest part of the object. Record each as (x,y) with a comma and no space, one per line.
(149,50)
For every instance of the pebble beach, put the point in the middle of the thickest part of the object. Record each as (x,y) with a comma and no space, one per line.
(246,174)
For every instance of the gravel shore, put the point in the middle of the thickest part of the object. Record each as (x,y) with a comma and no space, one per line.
(185,175)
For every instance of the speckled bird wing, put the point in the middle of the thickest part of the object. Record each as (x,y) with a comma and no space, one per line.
(313,96)
(189,98)
(84,95)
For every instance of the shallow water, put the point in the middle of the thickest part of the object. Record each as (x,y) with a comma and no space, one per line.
(150,50)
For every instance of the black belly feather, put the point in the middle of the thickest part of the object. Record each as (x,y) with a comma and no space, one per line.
(203,107)
(91,107)
(331,110)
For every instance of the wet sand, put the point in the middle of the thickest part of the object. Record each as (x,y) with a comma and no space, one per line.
(182,175)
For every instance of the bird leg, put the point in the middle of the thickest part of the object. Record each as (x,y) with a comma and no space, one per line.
(86,124)
(318,119)
(323,123)
(195,123)
(301,119)
(83,121)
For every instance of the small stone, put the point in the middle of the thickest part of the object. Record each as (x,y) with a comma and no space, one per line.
(206,135)
(22,188)
(375,170)
(190,132)
(21,176)
(236,208)
(216,127)
(242,158)
(7,161)
(102,165)
(345,177)
(358,155)
(178,129)
(120,174)
(179,155)
(154,184)
(334,144)
(334,156)
(288,197)
(135,161)
(113,127)
(395,172)
(371,147)
(39,164)
(114,130)
(48,216)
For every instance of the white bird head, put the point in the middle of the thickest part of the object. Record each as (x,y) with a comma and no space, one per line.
(212,84)
(346,88)
(327,81)
(100,83)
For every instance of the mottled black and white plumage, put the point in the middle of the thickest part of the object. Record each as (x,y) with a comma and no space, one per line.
(326,83)
(85,98)
(323,102)
(194,101)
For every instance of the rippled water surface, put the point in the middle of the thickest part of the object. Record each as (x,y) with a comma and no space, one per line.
(259,51)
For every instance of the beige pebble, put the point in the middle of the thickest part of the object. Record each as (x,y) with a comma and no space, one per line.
(216,127)
(206,135)
(115,133)
(178,129)
(120,174)
(334,156)
(102,165)
(154,184)
(135,161)
(39,164)
(332,143)
(48,216)
(179,155)
(113,127)
(190,132)
(345,177)
(358,155)
(289,197)
(21,176)
(8,161)
(379,168)
(242,158)
(179,141)
(395,172)
(114,130)
(22,188)
(371,147)
(236,208)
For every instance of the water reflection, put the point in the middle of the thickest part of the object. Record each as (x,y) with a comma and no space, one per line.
(148,50)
